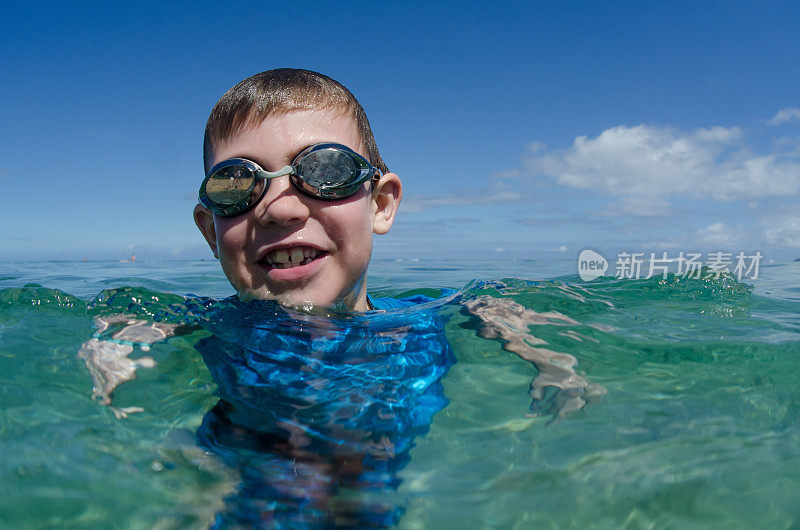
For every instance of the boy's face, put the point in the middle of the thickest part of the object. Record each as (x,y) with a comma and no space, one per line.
(292,247)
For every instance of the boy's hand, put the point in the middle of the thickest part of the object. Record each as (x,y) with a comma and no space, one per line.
(108,361)
(504,319)
(139,331)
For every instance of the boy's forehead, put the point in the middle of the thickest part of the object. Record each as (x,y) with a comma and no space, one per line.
(281,136)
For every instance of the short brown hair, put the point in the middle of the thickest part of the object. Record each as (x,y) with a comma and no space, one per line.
(283,90)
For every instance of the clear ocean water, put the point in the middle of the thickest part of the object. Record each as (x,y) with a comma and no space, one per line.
(680,407)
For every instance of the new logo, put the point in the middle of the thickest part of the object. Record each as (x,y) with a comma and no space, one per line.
(591,265)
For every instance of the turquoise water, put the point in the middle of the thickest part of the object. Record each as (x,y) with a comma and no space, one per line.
(684,411)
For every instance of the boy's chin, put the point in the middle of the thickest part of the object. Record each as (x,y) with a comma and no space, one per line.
(308,301)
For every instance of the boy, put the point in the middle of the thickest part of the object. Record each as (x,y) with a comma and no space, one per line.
(295,188)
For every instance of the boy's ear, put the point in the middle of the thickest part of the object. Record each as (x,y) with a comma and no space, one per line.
(385,199)
(204,220)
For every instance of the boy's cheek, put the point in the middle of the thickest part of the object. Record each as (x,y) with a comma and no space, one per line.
(355,241)
(231,244)
(230,235)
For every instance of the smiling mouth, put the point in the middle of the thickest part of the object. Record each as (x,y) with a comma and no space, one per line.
(286,258)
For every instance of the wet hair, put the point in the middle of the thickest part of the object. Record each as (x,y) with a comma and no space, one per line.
(281,91)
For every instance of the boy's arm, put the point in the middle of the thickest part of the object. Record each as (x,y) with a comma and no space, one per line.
(506,320)
(108,361)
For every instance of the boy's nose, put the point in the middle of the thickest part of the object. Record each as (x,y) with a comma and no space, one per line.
(282,204)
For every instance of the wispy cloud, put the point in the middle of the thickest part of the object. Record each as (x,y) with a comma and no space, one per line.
(783,230)
(498,192)
(720,235)
(785,115)
(638,206)
(556,222)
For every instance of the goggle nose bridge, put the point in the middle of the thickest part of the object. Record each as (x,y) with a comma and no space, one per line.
(285,170)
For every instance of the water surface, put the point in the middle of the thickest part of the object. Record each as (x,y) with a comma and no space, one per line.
(685,413)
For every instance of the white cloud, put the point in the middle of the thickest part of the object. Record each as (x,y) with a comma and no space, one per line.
(720,235)
(785,115)
(783,231)
(715,236)
(647,165)
(775,231)
(536,147)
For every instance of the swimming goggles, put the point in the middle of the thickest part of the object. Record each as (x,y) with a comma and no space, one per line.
(323,171)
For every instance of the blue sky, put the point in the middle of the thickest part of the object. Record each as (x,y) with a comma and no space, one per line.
(529,129)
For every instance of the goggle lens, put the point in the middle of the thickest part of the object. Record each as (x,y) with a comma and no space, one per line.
(326,168)
(230,185)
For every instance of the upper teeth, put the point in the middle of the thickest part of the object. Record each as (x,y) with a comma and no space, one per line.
(293,256)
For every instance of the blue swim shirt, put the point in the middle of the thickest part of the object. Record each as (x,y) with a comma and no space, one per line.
(343,384)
